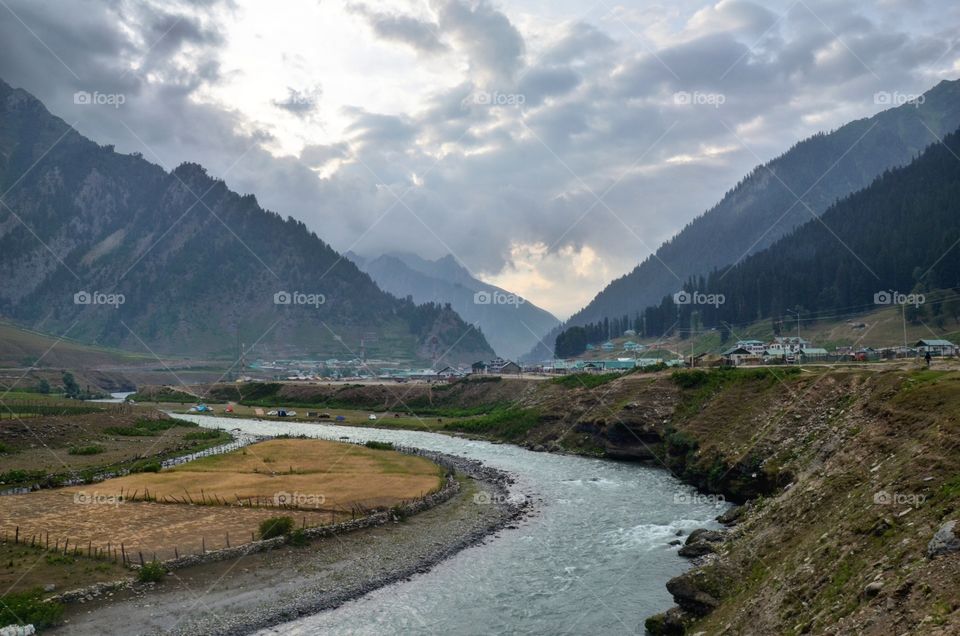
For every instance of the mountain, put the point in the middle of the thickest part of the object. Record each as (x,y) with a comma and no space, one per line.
(764,205)
(114,250)
(511,324)
(894,242)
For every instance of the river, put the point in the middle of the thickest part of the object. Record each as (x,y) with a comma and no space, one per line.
(115,398)
(593,559)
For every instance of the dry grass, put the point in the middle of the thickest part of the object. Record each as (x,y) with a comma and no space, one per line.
(338,475)
(331,480)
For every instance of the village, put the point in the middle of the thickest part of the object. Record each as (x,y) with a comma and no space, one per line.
(607,357)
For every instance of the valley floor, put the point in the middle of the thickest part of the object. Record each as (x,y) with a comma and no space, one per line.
(846,475)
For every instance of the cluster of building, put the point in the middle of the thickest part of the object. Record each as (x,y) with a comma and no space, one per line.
(796,349)
(629,346)
(786,349)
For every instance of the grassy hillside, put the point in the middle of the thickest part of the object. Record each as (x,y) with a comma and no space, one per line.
(21,347)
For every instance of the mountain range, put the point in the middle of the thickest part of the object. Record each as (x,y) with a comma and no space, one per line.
(775,198)
(511,324)
(111,249)
(896,242)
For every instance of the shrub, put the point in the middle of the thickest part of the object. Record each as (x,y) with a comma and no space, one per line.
(29,608)
(507,423)
(275,527)
(152,572)
(298,538)
(690,379)
(4,449)
(146,466)
(162,424)
(379,445)
(128,431)
(147,428)
(585,380)
(86,450)
(204,434)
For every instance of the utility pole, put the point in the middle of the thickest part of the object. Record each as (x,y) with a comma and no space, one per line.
(797,351)
(903,307)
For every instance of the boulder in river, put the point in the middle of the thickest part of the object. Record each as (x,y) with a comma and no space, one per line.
(694,550)
(690,592)
(673,622)
(731,516)
(703,534)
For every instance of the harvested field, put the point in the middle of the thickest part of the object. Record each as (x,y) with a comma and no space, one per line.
(93,520)
(329,482)
(315,473)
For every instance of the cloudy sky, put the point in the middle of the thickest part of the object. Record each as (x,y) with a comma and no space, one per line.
(549,145)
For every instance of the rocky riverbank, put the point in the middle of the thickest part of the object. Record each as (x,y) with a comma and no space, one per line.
(852,529)
(260,590)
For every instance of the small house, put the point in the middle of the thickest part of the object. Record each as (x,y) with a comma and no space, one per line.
(813,354)
(737,355)
(935,347)
(621,364)
(756,347)
(509,368)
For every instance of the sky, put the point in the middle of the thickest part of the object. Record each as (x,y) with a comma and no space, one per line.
(548,145)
